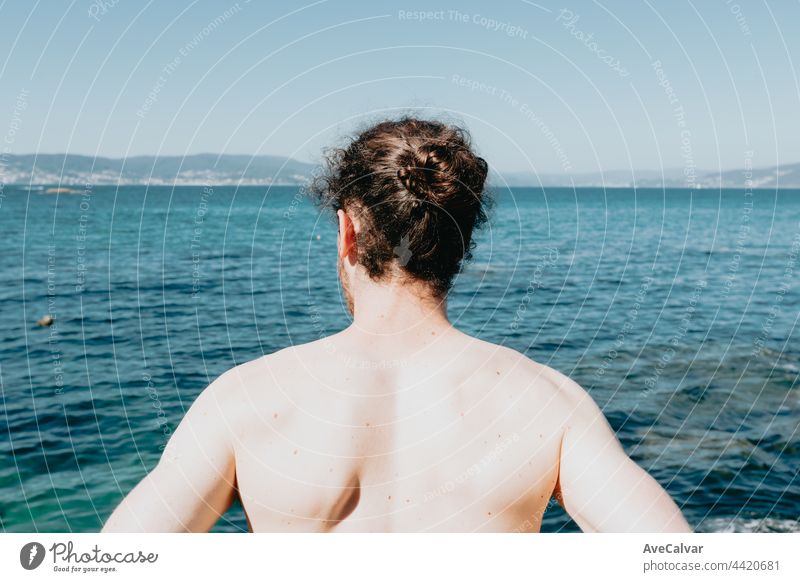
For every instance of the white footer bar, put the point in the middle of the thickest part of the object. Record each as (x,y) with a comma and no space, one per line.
(400,557)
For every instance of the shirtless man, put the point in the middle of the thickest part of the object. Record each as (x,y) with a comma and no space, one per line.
(400,423)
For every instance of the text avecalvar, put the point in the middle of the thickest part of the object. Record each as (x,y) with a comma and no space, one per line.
(672,549)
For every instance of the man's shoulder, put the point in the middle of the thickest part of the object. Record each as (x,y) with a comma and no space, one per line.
(539,381)
(566,400)
(264,376)
(264,368)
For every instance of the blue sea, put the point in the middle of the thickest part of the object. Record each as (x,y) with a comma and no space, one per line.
(677,309)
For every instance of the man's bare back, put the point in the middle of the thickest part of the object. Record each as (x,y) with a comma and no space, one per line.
(376,440)
(400,423)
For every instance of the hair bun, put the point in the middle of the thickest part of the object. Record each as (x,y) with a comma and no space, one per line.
(427,174)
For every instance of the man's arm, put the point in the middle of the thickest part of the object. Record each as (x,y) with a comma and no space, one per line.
(193,483)
(601,488)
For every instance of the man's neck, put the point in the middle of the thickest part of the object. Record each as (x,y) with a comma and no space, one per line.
(397,308)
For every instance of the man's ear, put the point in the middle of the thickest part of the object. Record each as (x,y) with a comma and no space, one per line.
(347,237)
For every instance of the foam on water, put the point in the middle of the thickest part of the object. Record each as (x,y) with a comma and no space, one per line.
(744,525)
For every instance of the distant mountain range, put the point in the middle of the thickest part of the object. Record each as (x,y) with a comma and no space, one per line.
(785,176)
(71,170)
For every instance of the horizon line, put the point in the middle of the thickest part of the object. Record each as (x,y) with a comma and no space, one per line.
(506,171)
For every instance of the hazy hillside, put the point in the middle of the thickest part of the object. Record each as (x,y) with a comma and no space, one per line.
(785,176)
(195,169)
(257,170)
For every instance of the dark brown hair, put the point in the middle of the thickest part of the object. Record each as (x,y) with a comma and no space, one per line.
(417,189)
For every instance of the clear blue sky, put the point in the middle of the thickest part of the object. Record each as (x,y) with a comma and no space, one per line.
(538,93)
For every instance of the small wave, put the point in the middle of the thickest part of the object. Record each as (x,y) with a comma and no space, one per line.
(744,525)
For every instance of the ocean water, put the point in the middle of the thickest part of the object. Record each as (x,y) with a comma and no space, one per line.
(676,309)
